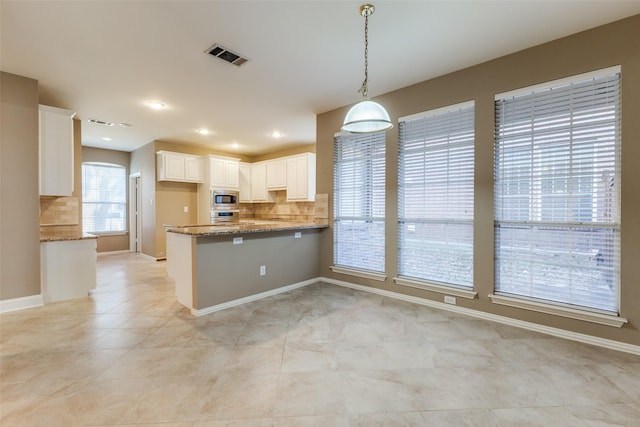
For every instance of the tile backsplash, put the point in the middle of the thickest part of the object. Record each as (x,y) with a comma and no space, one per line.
(281,209)
(61,212)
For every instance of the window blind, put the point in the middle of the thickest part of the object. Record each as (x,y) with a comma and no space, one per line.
(359,201)
(557,192)
(104,195)
(435,196)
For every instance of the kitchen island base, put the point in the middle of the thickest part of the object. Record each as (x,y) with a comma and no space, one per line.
(213,272)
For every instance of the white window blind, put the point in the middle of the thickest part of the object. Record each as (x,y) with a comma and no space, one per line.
(104,196)
(359,201)
(557,192)
(435,196)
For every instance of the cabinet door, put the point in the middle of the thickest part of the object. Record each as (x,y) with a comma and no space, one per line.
(193,169)
(231,174)
(277,174)
(56,151)
(173,167)
(244,173)
(218,174)
(259,182)
(301,178)
(296,179)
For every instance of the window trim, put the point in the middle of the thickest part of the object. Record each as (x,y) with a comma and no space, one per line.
(558,309)
(379,275)
(558,82)
(105,233)
(365,274)
(445,288)
(463,291)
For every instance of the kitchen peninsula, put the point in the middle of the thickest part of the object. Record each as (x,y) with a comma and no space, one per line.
(219,266)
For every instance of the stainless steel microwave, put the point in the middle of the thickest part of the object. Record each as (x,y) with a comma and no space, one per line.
(224,200)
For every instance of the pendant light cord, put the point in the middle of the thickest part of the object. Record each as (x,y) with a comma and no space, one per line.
(363,89)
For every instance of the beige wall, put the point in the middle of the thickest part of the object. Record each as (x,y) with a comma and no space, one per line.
(605,46)
(109,243)
(19,200)
(143,162)
(300,149)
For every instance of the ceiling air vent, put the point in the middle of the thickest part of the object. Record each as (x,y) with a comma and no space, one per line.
(226,55)
(101,122)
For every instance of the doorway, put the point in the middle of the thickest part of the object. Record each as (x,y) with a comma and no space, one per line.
(135,213)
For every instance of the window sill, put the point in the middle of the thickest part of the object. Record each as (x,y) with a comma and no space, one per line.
(380,277)
(558,310)
(107,234)
(442,289)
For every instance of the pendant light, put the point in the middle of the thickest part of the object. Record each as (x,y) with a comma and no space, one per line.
(366,116)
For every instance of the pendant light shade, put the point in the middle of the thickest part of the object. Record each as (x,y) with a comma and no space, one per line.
(366,116)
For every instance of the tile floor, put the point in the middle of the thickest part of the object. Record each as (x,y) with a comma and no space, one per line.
(317,356)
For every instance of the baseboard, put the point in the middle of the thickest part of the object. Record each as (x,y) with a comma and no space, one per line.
(556,332)
(114,252)
(255,297)
(21,303)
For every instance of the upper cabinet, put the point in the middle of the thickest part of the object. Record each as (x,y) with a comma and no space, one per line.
(56,151)
(259,192)
(277,174)
(301,178)
(179,167)
(244,174)
(219,173)
(224,173)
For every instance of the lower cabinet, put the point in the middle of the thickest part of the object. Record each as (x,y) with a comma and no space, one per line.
(68,269)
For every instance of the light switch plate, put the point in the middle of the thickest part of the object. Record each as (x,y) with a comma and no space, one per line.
(237,240)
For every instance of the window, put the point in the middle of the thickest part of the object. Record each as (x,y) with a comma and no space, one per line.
(359,201)
(104,195)
(557,189)
(435,196)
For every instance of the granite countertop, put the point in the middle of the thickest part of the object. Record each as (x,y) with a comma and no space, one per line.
(245,226)
(62,236)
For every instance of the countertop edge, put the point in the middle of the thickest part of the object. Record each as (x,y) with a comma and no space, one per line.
(221,230)
(63,238)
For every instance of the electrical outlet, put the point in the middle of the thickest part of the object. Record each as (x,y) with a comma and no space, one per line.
(186,209)
(263,270)
(237,240)
(297,235)
(449,299)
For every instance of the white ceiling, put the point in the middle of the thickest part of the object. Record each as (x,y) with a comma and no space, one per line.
(103,59)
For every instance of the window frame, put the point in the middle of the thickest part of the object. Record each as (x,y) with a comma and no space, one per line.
(367,161)
(539,215)
(123,203)
(428,144)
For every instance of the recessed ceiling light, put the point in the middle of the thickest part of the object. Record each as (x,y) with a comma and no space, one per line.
(235,145)
(275,134)
(203,131)
(156,105)
(106,138)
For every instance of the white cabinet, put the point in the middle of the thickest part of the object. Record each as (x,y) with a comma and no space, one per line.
(224,173)
(193,169)
(277,174)
(301,178)
(244,172)
(68,269)
(259,191)
(219,173)
(179,167)
(56,151)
